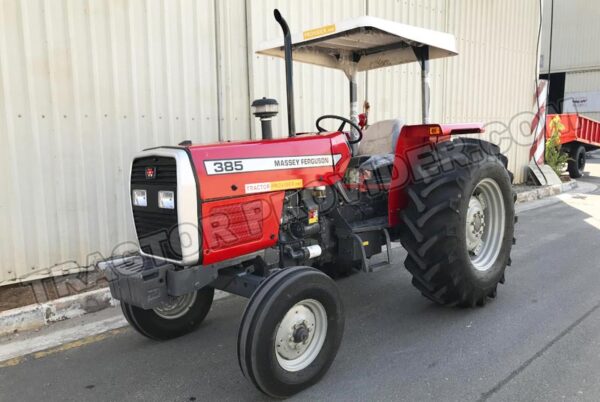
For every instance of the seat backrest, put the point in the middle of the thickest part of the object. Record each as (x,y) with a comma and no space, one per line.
(381,137)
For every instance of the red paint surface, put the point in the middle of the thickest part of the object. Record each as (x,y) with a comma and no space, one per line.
(236,226)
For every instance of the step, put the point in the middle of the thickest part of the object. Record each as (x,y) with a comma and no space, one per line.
(369,225)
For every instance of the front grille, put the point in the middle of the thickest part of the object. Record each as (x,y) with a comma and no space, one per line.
(157,228)
(166,171)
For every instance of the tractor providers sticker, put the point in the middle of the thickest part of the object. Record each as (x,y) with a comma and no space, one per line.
(228,166)
(273,186)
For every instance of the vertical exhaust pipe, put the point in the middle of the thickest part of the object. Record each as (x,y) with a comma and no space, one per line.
(289,83)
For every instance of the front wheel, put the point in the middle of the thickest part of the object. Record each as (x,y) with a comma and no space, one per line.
(290,331)
(460,224)
(178,317)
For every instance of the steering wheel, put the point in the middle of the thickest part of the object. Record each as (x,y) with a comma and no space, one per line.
(341,127)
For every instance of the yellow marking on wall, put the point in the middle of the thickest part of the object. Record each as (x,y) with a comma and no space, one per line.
(313,33)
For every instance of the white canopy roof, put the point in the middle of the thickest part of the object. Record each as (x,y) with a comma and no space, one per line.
(362,44)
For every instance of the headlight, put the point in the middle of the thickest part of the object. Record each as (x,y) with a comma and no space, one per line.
(166,199)
(139,198)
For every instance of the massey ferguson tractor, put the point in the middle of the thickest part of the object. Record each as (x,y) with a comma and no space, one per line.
(276,219)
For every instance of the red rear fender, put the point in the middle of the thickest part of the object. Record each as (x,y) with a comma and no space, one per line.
(413,143)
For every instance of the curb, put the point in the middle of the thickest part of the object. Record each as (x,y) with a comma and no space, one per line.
(546,191)
(36,316)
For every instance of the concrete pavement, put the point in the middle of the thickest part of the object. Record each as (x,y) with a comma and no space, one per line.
(539,340)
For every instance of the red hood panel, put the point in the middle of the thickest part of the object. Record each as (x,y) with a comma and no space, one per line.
(235,169)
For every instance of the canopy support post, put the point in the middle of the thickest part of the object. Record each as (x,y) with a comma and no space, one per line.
(353,97)
(422,54)
(352,80)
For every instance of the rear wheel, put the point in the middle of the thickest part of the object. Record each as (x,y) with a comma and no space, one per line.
(290,331)
(178,317)
(576,164)
(459,223)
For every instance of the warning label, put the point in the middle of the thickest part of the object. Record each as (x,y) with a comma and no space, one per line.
(313,33)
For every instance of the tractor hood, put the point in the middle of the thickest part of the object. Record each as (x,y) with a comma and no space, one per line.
(241,168)
(188,200)
(362,44)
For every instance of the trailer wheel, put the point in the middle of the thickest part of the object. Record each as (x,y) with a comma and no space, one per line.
(180,316)
(290,331)
(576,164)
(459,223)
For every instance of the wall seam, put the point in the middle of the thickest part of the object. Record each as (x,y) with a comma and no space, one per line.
(250,67)
(218,70)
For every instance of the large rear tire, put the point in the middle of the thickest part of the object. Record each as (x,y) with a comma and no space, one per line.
(576,164)
(290,331)
(459,223)
(180,316)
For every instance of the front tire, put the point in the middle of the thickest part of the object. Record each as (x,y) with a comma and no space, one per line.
(459,223)
(290,331)
(180,316)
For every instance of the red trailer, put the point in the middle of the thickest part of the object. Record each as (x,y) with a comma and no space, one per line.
(581,135)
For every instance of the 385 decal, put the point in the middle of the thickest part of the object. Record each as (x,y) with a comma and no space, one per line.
(228,166)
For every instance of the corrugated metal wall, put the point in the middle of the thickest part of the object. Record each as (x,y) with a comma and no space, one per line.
(86,84)
(492,80)
(574,35)
(583,81)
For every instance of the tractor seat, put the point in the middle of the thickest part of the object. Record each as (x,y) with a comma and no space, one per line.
(379,142)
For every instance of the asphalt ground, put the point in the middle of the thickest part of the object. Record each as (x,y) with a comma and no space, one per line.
(538,340)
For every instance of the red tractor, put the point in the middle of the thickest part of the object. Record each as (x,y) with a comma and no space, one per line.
(275,219)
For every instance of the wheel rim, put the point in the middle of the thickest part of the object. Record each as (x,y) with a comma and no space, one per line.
(300,335)
(485,224)
(177,307)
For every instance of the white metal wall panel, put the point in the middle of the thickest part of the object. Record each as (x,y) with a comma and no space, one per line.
(84,85)
(583,81)
(574,35)
(493,78)
(395,92)
(232,62)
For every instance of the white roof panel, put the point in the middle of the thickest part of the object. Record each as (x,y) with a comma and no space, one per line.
(363,43)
